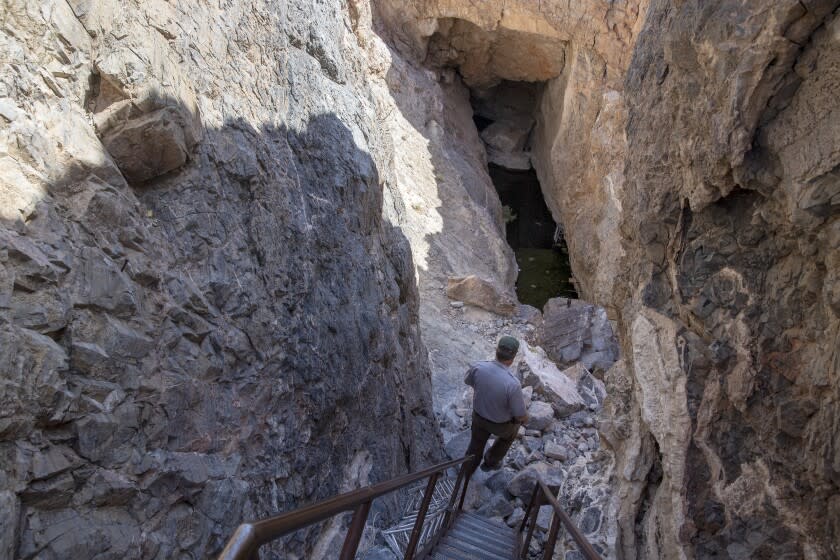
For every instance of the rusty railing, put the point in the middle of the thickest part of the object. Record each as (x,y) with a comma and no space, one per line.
(249,537)
(543,495)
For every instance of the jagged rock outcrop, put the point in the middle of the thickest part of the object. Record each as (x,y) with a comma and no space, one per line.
(708,230)
(727,295)
(204,316)
(573,330)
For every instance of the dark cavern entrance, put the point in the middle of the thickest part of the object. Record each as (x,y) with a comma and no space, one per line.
(503,116)
(537,242)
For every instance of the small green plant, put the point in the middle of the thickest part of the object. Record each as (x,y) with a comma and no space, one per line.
(508,215)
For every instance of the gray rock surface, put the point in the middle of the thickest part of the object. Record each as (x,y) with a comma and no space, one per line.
(204,316)
(523,483)
(540,416)
(576,331)
(728,283)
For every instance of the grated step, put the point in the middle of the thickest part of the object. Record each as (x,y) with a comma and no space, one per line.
(506,534)
(483,520)
(482,540)
(492,535)
(452,553)
(473,537)
(476,551)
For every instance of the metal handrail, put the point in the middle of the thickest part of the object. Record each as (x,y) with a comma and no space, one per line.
(248,537)
(543,492)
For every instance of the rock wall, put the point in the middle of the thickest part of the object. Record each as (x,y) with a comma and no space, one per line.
(204,315)
(699,200)
(441,196)
(211,215)
(690,151)
(728,299)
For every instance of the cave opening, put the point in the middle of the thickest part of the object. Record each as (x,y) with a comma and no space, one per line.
(504,118)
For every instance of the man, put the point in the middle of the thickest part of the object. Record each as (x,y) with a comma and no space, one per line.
(498,406)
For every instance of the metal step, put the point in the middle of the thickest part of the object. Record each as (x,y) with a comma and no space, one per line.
(482,541)
(458,553)
(494,532)
(468,515)
(473,537)
(485,531)
(480,551)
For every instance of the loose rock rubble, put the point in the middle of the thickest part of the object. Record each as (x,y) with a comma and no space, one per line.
(560,443)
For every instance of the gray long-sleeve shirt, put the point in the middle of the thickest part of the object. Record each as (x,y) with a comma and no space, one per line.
(498,395)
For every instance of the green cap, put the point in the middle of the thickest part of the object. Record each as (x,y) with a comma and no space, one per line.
(509,345)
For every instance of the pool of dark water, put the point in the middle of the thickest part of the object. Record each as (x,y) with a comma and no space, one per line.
(543,274)
(543,259)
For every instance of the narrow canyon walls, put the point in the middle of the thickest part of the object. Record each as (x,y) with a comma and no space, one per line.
(224,225)
(204,317)
(690,151)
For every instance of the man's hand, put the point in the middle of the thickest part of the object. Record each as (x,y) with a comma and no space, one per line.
(521,419)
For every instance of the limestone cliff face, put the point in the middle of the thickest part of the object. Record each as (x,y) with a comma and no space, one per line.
(204,316)
(440,196)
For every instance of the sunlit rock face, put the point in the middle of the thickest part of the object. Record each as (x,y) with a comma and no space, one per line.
(442,54)
(204,316)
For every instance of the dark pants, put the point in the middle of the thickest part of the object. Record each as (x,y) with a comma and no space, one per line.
(482,429)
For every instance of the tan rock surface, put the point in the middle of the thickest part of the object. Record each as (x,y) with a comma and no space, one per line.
(481,293)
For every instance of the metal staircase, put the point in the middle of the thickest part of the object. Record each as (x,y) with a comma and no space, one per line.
(475,537)
(433,525)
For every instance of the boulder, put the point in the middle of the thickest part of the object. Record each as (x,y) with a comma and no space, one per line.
(540,416)
(507,135)
(457,445)
(573,330)
(528,314)
(548,380)
(497,506)
(555,451)
(527,394)
(481,293)
(510,160)
(515,518)
(150,145)
(534,456)
(523,483)
(576,372)
(532,444)
(499,480)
